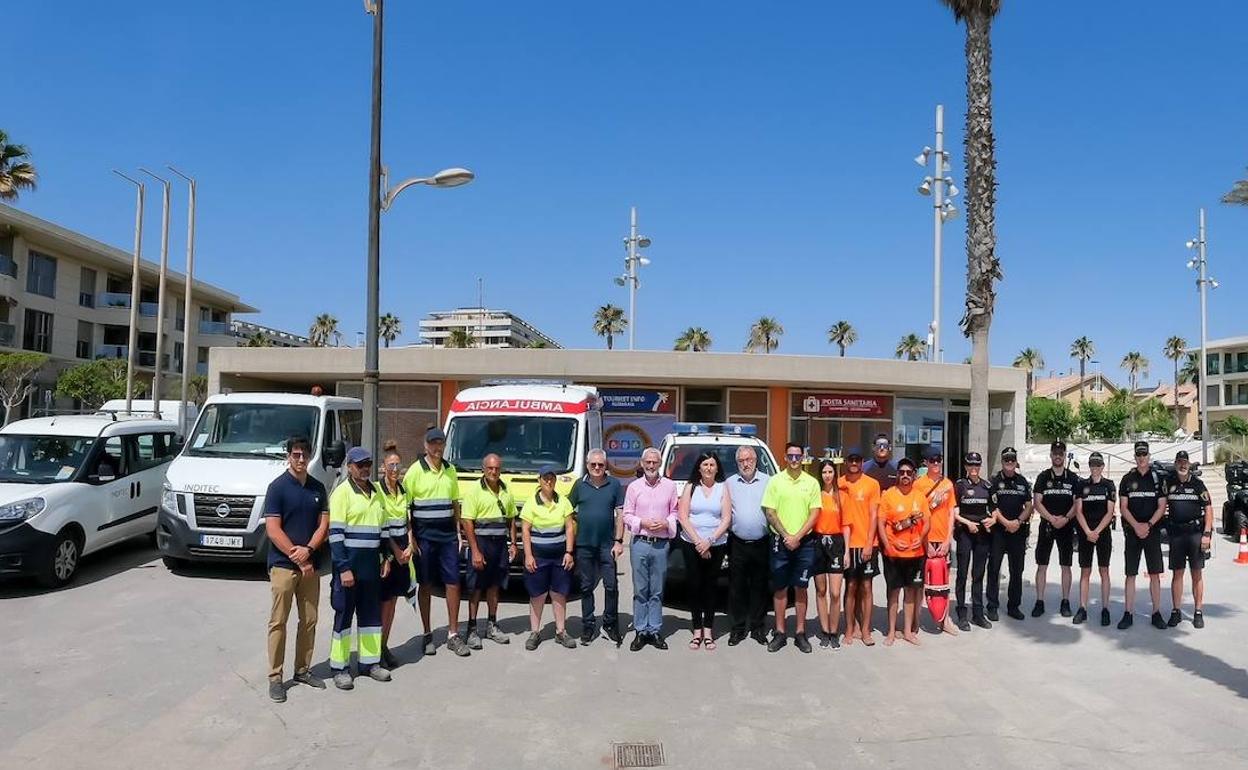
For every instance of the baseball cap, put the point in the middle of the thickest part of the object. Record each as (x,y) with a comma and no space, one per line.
(435,434)
(933,454)
(1181,455)
(1057,446)
(1009,453)
(905,462)
(1141,448)
(853,451)
(547,470)
(974,458)
(358,454)
(1096,458)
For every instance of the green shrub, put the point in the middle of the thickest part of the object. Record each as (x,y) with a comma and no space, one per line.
(1048,420)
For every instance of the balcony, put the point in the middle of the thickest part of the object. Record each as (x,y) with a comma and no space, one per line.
(147,358)
(114,308)
(112,351)
(8,333)
(215,327)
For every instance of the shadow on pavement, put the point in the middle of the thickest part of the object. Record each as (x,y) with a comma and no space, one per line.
(135,553)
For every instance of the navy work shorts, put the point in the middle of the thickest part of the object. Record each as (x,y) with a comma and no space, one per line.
(494,573)
(438,563)
(791,569)
(550,576)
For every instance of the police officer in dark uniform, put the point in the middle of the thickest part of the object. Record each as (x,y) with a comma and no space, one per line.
(1054,498)
(1142,504)
(972,532)
(1189,522)
(1010,500)
(1094,513)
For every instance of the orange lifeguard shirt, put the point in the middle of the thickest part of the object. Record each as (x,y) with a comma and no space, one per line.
(828,522)
(857,497)
(941,515)
(898,507)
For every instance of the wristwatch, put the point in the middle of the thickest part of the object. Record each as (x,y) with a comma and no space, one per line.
(620,540)
(1207,534)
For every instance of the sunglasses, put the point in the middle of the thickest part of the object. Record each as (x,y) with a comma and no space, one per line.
(882,445)
(793,455)
(905,473)
(365,464)
(297,456)
(597,465)
(392,466)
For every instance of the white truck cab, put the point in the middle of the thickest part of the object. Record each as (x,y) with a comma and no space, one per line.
(681,447)
(213,502)
(71,485)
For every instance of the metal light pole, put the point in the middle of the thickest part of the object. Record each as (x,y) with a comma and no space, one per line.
(160,291)
(1203,284)
(188,335)
(631,262)
(134,288)
(942,211)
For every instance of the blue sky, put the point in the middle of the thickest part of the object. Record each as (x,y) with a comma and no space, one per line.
(767,147)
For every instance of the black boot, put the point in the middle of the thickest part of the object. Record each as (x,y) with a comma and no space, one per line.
(963,624)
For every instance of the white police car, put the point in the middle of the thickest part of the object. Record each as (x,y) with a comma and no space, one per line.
(71,485)
(688,440)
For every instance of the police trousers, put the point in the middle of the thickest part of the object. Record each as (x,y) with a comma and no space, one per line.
(360,605)
(973,552)
(1011,545)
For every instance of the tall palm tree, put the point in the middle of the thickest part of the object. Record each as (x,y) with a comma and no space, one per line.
(695,339)
(609,321)
(323,329)
(911,347)
(1082,349)
(1238,194)
(764,335)
(258,340)
(842,334)
(983,269)
(1136,364)
(461,338)
(17,173)
(1029,359)
(1174,349)
(389,327)
(1191,369)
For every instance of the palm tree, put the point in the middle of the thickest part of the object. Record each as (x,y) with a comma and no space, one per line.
(1191,369)
(983,269)
(1082,349)
(1174,349)
(1238,194)
(1031,360)
(323,329)
(258,340)
(842,334)
(389,327)
(764,335)
(911,347)
(16,171)
(1135,363)
(695,339)
(609,321)
(461,338)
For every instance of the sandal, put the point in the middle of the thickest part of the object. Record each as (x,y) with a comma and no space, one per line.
(695,642)
(709,644)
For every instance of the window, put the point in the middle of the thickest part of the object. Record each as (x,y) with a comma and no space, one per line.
(151,449)
(704,405)
(331,431)
(111,461)
(41,274)
(1241,362)
(86,293)
(1211,395)
(352,426)
(1241,395)
(86,335)
(1211,364)
(1228,394)
(7,265)
(1228,363)
(37,335)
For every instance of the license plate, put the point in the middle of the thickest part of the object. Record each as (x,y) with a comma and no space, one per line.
(221,541)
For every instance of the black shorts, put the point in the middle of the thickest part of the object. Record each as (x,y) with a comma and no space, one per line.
(901,572)
(1185,550)
(857,568)
(1065,540)
(791,569)
(495,572)
(1149,546)
(829,555)
(398,582)
(1102,548)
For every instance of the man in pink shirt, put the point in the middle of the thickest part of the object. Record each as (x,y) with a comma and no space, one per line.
(650,515)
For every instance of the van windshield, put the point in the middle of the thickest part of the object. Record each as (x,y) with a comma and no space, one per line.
(525,442)
(42,459)
(251,430)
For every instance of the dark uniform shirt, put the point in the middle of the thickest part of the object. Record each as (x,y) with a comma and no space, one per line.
(1098,499)
(972,497)
(299,506)
(1186,501)
(1010,494)
(1142,493)
(1057,491)
(885,474)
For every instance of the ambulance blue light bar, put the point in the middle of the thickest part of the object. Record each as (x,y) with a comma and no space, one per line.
(716,428)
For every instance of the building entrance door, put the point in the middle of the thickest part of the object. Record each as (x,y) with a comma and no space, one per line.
(956,448)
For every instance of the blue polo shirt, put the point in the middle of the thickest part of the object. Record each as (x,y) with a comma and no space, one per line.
(299,506)
(748,520)
(595,510)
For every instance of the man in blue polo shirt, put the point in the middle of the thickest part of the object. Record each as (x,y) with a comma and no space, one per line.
(598,501)
(296,520)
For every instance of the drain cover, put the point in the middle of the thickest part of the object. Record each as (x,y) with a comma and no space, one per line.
(638,755)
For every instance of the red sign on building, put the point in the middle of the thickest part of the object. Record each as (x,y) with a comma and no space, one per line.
(861,405)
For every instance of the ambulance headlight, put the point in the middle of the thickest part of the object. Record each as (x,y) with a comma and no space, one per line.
(21,510)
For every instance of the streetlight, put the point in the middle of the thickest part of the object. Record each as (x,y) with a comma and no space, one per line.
(188,333)
(1203,284)
(380,199)
(133,339)
(943,209)
(160,291)
(629,278)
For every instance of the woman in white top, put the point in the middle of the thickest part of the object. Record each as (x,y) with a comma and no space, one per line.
(705,513)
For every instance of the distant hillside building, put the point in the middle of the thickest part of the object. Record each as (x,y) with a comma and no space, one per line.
(245,330)
(489,329)
(1186,414)
(1096,387)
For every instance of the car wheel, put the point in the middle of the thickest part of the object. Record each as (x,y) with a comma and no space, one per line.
(62,562)
(172,564)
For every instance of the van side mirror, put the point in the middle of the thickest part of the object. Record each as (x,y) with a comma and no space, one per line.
(335,454)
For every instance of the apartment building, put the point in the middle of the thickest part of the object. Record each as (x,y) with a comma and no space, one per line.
(69,296)
(489,329)
(246,333)
(1226,379)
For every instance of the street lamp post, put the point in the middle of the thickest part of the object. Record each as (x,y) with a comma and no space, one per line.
(160,291)
(631,262)
(1203,284)
(134,288)
(943,210)
(188,334)
(380,199)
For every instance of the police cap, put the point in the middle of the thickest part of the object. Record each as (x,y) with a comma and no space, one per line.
(1141,448)
(974,458)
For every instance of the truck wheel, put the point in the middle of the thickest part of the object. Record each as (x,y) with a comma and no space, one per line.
(62,564)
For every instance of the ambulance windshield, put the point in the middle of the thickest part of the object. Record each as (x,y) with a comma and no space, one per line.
(525,442)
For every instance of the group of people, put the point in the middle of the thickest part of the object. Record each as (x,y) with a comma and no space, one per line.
(408,532)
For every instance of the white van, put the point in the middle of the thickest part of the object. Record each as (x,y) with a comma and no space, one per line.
(213,502)
(74,484)
(172,411)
